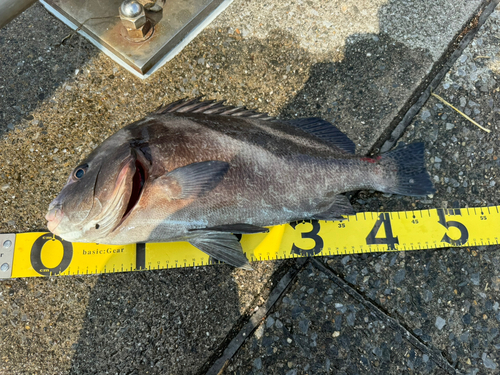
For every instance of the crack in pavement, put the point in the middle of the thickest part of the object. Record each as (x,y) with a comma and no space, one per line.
(402,120)
(434,354)
(219,365)
(437,74)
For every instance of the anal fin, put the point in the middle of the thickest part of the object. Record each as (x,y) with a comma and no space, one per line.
(340,206)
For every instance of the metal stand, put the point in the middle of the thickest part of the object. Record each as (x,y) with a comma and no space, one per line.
(172,29)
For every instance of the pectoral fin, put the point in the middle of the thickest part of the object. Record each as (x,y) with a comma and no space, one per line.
(194,180)
(222,246)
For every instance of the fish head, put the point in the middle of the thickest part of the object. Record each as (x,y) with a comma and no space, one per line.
(99,194)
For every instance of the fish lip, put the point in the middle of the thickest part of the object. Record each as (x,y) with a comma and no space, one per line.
(51,227)
(54,215)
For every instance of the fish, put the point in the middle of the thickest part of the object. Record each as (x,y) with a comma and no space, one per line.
(203,172)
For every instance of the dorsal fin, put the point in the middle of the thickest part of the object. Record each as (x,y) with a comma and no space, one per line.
(210,107)
(325,131)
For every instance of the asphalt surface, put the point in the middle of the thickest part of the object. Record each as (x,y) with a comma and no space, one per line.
(365,66)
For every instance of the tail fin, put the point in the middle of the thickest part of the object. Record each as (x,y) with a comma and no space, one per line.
(411,177)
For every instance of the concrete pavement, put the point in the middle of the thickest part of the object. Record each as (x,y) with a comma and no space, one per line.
(361,65)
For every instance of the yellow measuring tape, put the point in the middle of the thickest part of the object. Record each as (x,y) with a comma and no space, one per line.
(43,254)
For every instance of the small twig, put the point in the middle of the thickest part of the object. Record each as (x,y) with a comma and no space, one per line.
(482,57)
(70,35)
(463,114)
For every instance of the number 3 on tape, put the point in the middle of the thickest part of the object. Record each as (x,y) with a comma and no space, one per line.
(312,235)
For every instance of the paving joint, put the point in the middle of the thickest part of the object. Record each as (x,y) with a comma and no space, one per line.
(434,354)
(217,363)
(182,321)
(416,101)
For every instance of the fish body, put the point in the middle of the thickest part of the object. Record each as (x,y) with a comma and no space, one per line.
(200,172)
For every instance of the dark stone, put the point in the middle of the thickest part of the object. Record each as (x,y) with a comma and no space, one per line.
(400,276)
(467,319)
(296,311)
(338,322)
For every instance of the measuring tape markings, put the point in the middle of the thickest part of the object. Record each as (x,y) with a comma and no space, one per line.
(43,254)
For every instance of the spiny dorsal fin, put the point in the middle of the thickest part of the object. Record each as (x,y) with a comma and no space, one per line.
(210,107)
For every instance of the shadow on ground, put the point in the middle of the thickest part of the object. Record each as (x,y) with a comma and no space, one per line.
(174,320)
(156,322)
(364,91)
(35,63)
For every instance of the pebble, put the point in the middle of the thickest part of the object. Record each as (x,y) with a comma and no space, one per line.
(475,278)
(425,114)
(488,363)
(304,326)
(440,322)
(428,295)
(257,363)
(351,318)
(466,319)
(400,276)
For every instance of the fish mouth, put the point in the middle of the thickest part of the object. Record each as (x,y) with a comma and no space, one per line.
(138,180)
(54,217)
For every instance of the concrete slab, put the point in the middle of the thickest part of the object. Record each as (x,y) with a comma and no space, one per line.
(366,91)
(59,108)
(319,328)
(165,322)
(448,298)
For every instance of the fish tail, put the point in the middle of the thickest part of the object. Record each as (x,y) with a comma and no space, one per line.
(404,171)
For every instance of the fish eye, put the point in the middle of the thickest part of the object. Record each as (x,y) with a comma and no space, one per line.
(80,171)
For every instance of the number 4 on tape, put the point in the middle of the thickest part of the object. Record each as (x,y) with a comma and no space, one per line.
(389,239)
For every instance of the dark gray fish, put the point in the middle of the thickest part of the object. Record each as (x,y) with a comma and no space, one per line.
(202,172)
